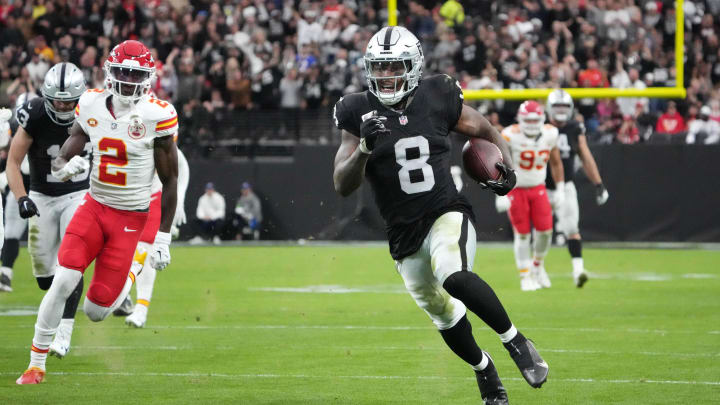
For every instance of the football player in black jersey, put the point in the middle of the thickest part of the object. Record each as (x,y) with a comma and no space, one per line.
(572,142)
(396,135)
(44,124)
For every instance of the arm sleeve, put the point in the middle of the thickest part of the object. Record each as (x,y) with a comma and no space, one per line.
(344,117)
(183,178)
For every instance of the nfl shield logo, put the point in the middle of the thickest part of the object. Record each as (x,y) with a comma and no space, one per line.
(113,125)
(403,120)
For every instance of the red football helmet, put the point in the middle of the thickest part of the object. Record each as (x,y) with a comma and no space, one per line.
(531,118)
(129,70)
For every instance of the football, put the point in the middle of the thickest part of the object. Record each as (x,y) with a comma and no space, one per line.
(479,159)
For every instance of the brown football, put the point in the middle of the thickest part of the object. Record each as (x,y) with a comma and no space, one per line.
(479,159)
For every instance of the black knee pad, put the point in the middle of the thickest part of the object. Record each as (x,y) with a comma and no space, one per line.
(44,282)
(460,283)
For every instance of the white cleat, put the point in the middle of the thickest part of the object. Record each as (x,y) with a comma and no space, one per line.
(60,346)
(136,320)
(528,283)
(540,276)
(580,278)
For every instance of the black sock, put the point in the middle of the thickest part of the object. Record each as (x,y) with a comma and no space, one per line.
(71,303)
(44,282)
(10,252)
(477,296)
(575,247)
(460,340)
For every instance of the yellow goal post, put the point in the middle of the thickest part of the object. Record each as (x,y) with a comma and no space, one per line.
(526,94)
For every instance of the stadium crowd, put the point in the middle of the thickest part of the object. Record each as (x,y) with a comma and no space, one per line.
(220,61)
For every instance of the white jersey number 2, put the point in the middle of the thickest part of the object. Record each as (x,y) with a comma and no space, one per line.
(416,163)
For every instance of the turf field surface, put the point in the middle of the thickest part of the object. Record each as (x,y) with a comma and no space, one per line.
(318,325)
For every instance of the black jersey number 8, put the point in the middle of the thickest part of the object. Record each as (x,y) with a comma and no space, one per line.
(418,163)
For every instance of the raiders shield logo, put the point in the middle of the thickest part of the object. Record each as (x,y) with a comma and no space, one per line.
(136,128)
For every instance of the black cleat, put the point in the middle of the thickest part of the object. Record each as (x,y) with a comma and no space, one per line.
(532,367)
(491,388)
(581,279)
(125,309)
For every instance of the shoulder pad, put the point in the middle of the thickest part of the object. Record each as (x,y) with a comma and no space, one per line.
(161,114)
(348,110)
(30,113)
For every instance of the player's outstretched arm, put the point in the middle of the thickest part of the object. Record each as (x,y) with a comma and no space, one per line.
(474,124)
(349,165)
(19,147)
(73,146)
(166,164)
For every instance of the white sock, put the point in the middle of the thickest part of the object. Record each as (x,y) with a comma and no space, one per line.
(145,282)
(509,334)
(578,265)
(483,363)
(50,313)
(542,244)
(521,245)
(67,323)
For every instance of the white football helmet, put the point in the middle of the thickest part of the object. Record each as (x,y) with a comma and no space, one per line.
(393,64)
(560,106)
(531,118)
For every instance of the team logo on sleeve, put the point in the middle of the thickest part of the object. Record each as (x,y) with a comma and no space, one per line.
(136,128)
(92,122)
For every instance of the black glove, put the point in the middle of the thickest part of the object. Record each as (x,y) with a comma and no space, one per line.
(370,129)
(505,184)
(27,207)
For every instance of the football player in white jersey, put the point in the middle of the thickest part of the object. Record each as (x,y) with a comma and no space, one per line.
(532,143)
(145,280)
(132,138)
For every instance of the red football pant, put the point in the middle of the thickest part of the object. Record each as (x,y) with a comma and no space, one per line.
(530,204)
(108,236)
(153,222)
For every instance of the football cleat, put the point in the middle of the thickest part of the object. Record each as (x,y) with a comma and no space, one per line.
(60,345)
(532,367)
(491,388)
(136,320)
(540,276)
(125,309)
(528,283)
(33,375)
(5,279)
(580,278)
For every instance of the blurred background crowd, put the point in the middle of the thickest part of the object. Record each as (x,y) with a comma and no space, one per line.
(243,71)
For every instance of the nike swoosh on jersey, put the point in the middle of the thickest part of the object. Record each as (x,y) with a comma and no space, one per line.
(129,230)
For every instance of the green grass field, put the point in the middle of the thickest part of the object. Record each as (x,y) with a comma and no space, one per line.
(225,328)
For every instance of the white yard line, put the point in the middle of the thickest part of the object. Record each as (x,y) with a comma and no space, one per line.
(384,348)
(400,327)
(366,377)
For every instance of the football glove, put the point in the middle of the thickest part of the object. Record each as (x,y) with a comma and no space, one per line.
(180,216)
(558,196)
(370,129)
(160,257)
(502,203)
(506,184)
(75,166)
(27,207)
(601,194)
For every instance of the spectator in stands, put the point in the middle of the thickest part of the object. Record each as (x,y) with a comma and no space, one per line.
(210,214)
(702,129)
(628,132)
(452,13)
(249,213)
(671,122)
